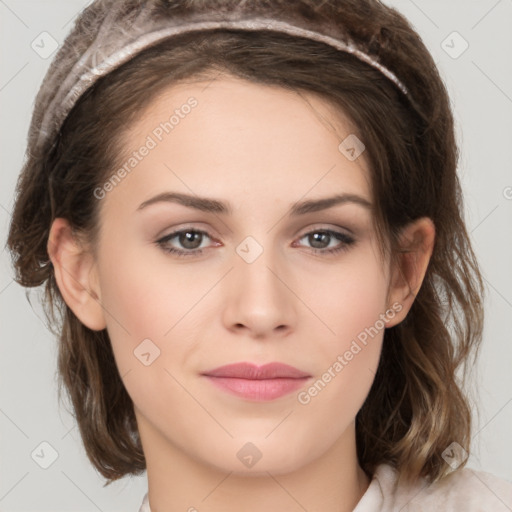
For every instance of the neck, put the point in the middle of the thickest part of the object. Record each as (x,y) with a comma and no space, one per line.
(177,481)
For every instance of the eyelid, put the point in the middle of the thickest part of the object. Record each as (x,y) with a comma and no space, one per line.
(180,230)
(326,227)
(193,226)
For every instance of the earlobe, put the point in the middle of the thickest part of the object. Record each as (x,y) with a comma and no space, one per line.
(417,243)
(75,274)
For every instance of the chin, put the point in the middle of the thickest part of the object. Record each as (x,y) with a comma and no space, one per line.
(260,456)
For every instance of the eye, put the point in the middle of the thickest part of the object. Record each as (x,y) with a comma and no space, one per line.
(320,240)
(190,240)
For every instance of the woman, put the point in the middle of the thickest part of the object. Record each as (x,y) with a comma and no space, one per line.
(249,216)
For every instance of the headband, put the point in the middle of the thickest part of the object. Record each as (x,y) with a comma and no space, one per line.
(93,64)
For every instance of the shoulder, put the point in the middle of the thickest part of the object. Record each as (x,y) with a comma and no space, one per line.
(464,489)
(145,504)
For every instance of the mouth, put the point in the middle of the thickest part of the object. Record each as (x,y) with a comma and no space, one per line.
(258,383)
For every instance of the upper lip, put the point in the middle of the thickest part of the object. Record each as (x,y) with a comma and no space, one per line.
(255,372)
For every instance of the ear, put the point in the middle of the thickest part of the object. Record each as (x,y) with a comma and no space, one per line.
(76,275)
(407,274)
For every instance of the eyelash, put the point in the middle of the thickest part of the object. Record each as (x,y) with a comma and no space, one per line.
(346,240)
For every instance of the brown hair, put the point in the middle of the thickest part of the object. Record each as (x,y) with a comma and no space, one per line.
(416,407)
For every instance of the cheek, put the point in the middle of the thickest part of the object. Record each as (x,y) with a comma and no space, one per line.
(147,308)
(348,298)
(351,302)
(141,300)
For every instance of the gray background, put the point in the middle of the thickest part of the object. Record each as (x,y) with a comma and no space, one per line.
(480,84)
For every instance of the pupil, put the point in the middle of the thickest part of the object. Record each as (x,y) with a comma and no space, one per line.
(317,237)
(187,239)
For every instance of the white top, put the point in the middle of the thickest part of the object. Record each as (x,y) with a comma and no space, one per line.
(464,490)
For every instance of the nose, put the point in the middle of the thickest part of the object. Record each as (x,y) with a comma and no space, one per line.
(259,299)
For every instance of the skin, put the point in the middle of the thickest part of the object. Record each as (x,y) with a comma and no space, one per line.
(261,149)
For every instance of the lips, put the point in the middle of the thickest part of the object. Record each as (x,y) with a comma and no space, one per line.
(257,383)
(253,372)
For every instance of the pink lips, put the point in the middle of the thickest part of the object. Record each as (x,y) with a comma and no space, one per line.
(260,383)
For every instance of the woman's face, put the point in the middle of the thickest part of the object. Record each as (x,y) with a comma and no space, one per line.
(262,279)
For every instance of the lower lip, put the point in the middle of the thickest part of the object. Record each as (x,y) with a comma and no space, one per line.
(260,390)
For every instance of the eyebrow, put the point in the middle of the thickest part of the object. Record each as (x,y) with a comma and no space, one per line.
(210,205)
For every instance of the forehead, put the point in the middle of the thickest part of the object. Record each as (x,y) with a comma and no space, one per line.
(229,136)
